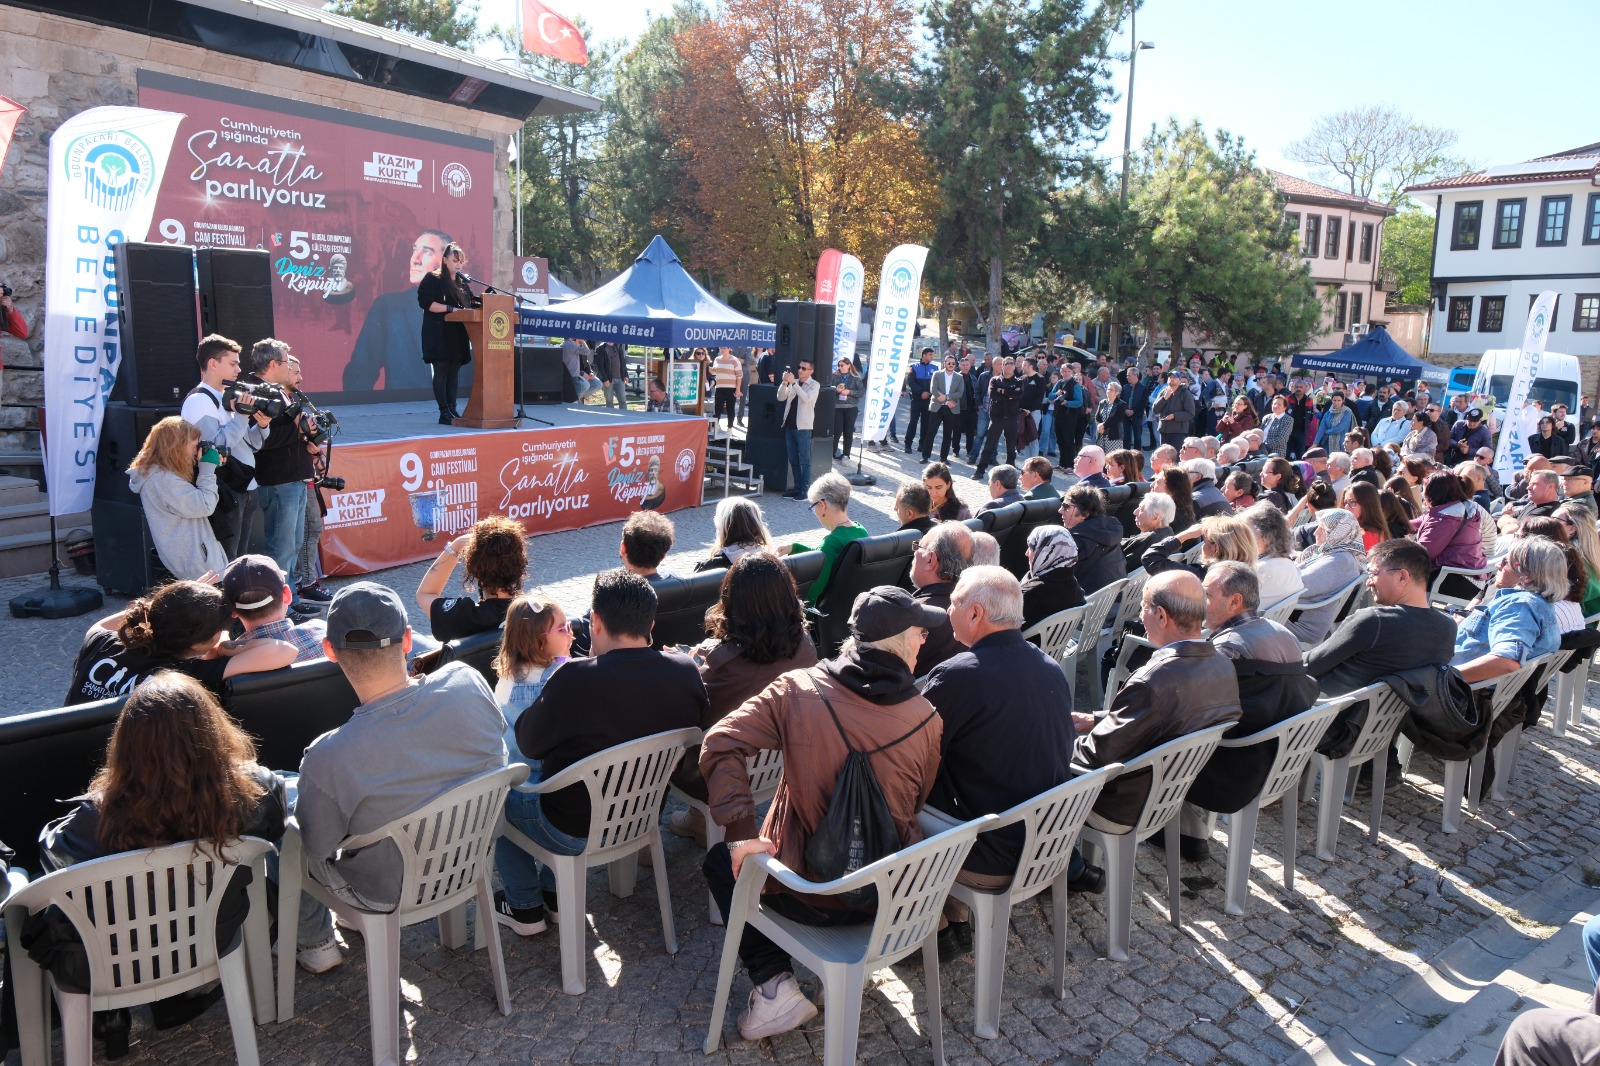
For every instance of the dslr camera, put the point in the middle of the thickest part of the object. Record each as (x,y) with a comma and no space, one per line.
(5,290)
(316,425)
(254,398)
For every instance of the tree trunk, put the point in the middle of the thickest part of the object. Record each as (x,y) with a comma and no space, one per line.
(995,311)
(944,323)
(1177,334)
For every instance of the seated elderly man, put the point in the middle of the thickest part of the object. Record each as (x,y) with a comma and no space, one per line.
(985,549)
(1163,457)
(1153,515)
(868,694)
(1361,468)
(1229,454)
(1208,499)
(1187,685)
(1091,467)
(940,558)
(1544,496)
(1273,686)
(1339,471)
(1395,428)
(1003,492)
(1193,448)
(1036,475)
(911,506)
(1005,737)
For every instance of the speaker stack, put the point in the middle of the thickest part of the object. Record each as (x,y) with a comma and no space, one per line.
(124,555)
(236,294)
(159,323)
(805,331)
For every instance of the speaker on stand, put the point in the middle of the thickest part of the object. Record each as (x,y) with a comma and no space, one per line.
(236,294)
(159,324)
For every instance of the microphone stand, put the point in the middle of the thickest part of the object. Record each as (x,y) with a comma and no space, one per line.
(522,370)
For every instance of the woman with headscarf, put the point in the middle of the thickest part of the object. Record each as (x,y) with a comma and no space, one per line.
(1050,586)
(1333,562)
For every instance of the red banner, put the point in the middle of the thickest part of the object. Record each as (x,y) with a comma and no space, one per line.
(352,209)
(407,498)
(828,276)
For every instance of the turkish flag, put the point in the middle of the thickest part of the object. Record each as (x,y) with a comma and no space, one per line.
(10,112)
(547,33)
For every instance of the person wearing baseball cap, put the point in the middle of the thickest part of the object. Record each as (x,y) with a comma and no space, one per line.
(1577,486)
(1469,434)
(864,699)
(259,597)
(409,740)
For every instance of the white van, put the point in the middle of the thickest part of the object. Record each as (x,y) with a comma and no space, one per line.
(1558,380)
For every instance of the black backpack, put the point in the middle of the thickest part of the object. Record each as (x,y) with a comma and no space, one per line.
(858,829)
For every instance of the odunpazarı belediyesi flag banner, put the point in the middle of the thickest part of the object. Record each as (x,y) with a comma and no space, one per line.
(106,165)
(1513,448)
(899,287)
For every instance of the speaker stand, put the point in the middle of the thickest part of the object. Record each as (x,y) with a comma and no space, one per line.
(858,478)
(56,601)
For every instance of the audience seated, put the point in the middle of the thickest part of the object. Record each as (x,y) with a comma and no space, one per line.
(1220,536)
(408,741)
(1361,468)
(1003,491)
(1099,538)
(1051,585)
(1450,529)
(1173,483)
(1401,631)
(1330,564)
(494,557)
(179,626)
(1585,540)
(1005,737)
(1090,466)
(943,553)
(830,502)
(587,706)
(1281,480)
(863,700)
(740,529)
(1275,569)
(1164,456)
(536,641)
(1339,471)
(1153,516)
(911,506)
(943,504)
(1577,486)
(985,549)
(1544,496)
(646,539)
(1517,622)
(1035,479)
(1239,490)
(177,768)
(1548,1036)
(1208,499)
(259,595)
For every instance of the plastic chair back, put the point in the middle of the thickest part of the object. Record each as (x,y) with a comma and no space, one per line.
(1051,822)
(1280,611)
(1173,766)
(1297,738)
(626,785)
(1132,600)
(1058,632)
(766,770)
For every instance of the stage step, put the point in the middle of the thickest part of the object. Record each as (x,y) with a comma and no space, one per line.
(25,528)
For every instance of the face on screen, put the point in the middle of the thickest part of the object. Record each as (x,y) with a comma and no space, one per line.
(425,255)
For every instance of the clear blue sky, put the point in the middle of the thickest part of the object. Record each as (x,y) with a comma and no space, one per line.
(1514,81)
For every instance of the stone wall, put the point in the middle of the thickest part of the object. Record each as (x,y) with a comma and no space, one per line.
(56,67)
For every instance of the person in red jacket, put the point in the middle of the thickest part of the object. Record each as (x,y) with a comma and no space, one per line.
(11,320)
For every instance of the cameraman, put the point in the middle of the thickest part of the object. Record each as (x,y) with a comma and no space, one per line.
(283,466)
(239,433)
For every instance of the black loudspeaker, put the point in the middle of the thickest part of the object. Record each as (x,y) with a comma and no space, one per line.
(125,560)
(768,457)
(827,314)
(159,325)
(540,376)
(805,331)
(824,426)
(236,294)
(765,414)
(122,434)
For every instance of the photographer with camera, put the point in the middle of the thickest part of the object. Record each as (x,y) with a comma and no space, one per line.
(11,320)
(225,420)
(283,464)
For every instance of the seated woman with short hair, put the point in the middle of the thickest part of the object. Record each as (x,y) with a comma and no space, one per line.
(830,502)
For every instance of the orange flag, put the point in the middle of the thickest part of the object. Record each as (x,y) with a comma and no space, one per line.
(547,33)
(10,112)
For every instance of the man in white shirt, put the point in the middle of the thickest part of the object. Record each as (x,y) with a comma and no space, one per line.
(240,434)
(1395,428)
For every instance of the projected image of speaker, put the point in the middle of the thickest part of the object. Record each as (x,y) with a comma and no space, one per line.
(158,321)
(236,294)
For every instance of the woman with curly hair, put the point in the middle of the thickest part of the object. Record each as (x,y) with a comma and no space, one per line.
(175,477)
(494,554)
(1282,481)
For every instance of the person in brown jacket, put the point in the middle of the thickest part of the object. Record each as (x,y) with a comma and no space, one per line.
(870,691)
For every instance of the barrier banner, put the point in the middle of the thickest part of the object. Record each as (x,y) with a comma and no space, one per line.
(405,499)
(840,278)
(105,167)
(899,287)
(353,210)
(1512,450)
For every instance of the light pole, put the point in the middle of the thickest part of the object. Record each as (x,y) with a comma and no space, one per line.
(1127,148)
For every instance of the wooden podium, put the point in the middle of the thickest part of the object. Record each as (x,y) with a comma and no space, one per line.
(492,330)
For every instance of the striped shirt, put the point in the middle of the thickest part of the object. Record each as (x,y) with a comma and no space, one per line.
(727,372)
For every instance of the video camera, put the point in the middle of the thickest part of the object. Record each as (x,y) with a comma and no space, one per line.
(316,425)
(254,398)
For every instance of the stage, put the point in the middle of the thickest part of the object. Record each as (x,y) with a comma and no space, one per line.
(411,484)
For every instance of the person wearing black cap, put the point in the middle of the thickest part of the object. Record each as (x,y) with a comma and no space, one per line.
(865,699)
(259,596)
(1468,435)
(411,739)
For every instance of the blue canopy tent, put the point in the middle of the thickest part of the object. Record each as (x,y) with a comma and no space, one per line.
(1374,355)
(654,303)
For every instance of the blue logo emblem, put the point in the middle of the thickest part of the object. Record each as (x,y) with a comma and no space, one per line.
(901,278)
(113,167)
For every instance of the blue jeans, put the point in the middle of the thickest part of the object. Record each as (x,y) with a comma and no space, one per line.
(983,428)
(1047,433)
(798,444)
(283,511)
(525,878)
(1591,946)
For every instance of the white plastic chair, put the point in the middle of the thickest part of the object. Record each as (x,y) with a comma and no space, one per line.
(1542,673)
(1385,709)
(912,885)
(765,769)
(1570,687)
(1051,822)
(1174,766)
(1342,597)
(447,855)
(1132,600)
(627,784)
(1131,642)
(1085,653)
(1446,601)
(1280,611)
(1297,739)
(1059,632)
(148,922)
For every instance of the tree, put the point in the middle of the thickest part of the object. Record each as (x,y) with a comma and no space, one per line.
(1377,149)
(1007,101)
(449,22)
(1408,251)
(1209,247)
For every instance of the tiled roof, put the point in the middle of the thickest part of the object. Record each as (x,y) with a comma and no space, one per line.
(1290,185)
(1584,162)
(1588,149)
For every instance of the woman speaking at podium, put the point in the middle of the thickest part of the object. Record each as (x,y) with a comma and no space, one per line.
(445,347)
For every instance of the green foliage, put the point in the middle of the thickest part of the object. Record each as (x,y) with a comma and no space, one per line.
(1207,246)
(448,22)
(1408,249)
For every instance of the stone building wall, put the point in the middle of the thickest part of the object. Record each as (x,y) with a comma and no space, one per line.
(56,67)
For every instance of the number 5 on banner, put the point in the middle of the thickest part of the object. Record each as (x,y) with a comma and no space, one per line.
(411,470)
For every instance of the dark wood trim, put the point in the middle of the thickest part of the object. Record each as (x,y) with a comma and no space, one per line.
(1566,228)
(1591,220)
(1483,313)
(1456,244)
(1522,221)
(1577,311)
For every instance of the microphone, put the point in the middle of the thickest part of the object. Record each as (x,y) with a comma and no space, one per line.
(468,278)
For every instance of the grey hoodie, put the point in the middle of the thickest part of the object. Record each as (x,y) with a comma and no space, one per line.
(177,512)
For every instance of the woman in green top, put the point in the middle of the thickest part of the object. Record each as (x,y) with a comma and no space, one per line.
(830,502)
(1585,540)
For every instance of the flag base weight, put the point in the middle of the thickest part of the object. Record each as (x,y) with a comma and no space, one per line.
(56,601)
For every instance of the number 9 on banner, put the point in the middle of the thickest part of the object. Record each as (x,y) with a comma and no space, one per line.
(172,230)
(411,470)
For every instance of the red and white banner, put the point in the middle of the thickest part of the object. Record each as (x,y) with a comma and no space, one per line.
(10,113)
(405,499)
(840,279)
(549,34)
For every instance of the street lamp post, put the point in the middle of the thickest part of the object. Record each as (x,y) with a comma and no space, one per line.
(1127,148)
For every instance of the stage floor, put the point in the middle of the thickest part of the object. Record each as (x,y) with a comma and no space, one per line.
(367,422)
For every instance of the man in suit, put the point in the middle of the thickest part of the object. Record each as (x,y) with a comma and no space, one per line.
(946,401)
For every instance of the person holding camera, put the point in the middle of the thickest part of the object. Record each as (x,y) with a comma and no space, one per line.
(283,465)
(11,320)
(175,477)
(226,421)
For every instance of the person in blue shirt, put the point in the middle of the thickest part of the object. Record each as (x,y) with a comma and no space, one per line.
(1518,623)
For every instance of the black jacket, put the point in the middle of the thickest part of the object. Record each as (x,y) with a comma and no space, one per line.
(282,458)
(443,342)
(1051,594)
(1100,559)
(1005,398)
(1134,547)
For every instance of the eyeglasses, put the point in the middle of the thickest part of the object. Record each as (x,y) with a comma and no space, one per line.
(1385,570)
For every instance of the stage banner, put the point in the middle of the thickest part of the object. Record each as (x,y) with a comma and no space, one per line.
(405,499)
(839,282)
(532,279)
(899,286)
(353,209)
(105,167)
(1512,450)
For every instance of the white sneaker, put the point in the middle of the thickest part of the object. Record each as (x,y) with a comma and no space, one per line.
(786,1008)
(321,958)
